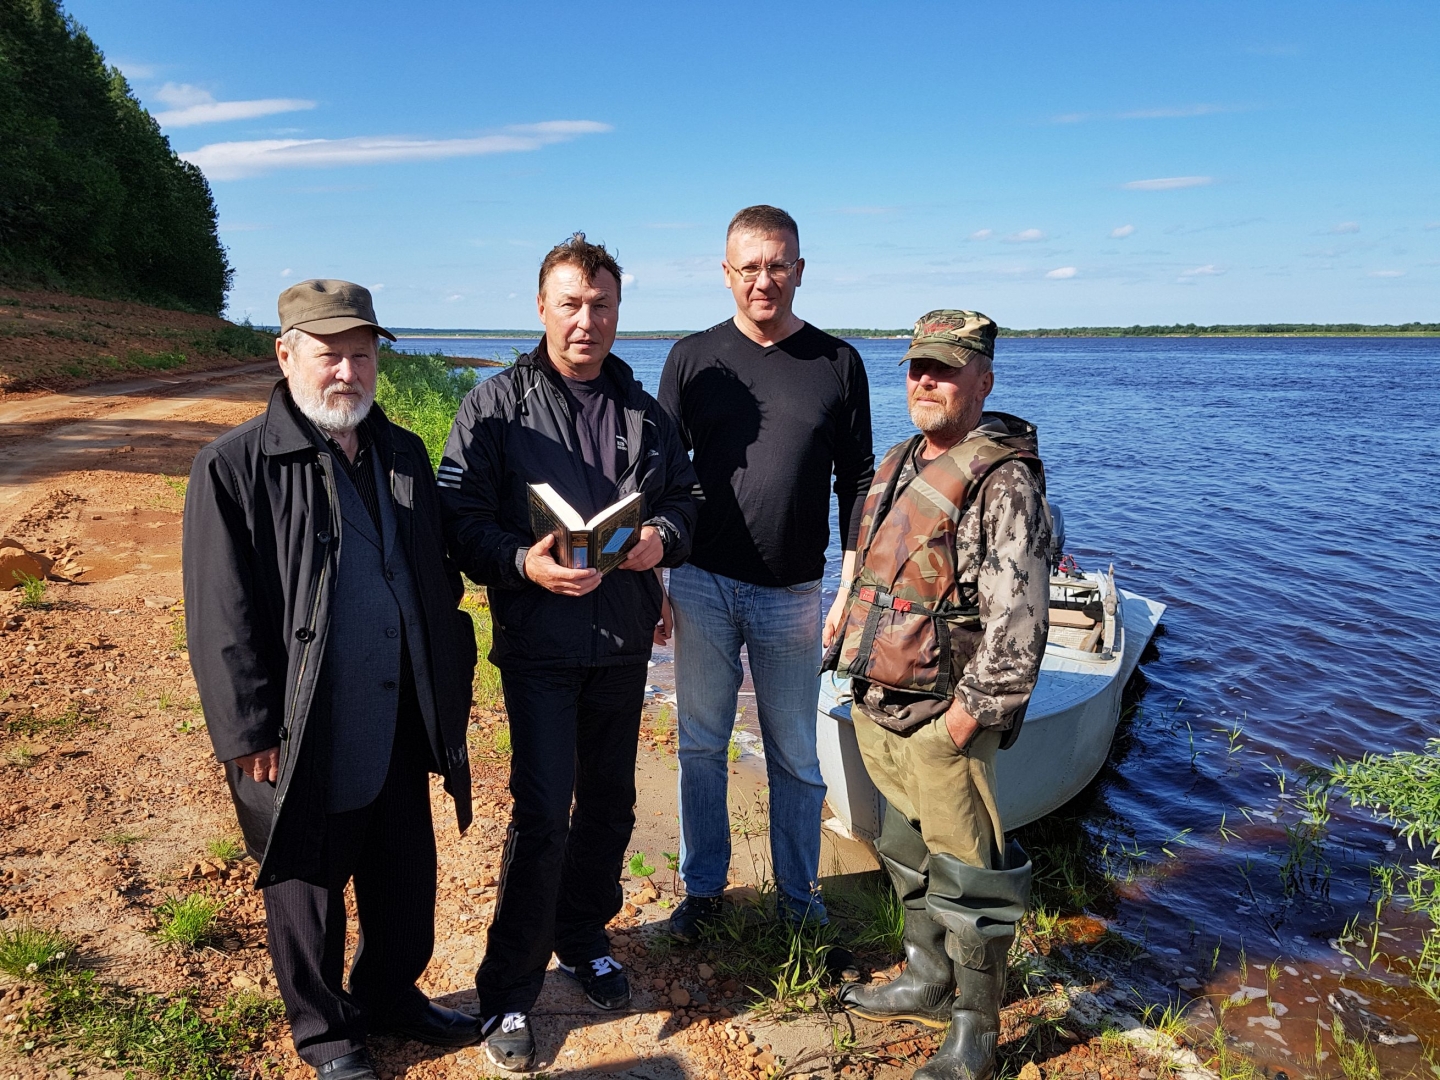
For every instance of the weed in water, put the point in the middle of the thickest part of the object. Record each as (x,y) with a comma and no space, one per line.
(1168,1019)
(32,590)
(225,848)
(29,952)
(1354,1056)
(187,921)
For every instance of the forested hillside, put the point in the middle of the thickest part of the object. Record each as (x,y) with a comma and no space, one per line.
(92,198)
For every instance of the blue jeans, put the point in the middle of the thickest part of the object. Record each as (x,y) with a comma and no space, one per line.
(714,616)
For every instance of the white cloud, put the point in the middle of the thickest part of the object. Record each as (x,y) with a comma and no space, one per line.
(1346,227)
(190,105)
(453,297)
(1168,183)
(232,160)
(1175,113)
(627,281)
(1025,236)
(1387,273)
(132,70)
(1121,232)
(982,234)
(1061,273)
(1208,270)
(378,287)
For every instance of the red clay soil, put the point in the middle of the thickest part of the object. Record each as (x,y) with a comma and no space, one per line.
(53,341)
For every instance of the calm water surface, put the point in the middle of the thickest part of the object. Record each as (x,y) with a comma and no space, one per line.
(1282,497)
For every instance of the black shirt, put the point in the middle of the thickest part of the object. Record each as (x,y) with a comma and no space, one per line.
(767,427)
(596,409)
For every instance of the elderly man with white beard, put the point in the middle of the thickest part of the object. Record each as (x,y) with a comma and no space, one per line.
(334,669)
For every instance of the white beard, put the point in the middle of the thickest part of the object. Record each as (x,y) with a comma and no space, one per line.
(330,415)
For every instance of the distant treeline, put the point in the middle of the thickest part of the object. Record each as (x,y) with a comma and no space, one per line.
(92,198)
(1184,330)
(1177,330)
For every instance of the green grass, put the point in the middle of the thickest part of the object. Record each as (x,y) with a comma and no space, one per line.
(225,848)
(874,909)
(30,952)
(422,392)
(32,723)
(179,638)
(783,966)
(187,921)
(236,339)
(32,590)
(487,675)
(501,742)
(1404,788)
(156,361)
(160,1036)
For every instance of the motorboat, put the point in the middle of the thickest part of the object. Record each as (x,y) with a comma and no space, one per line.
(1097,633)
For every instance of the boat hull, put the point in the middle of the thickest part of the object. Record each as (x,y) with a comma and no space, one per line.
(1062,746)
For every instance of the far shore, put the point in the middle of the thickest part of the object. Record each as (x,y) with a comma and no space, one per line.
(1423,330)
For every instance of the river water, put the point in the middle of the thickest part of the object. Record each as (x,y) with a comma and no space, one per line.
(1282,497)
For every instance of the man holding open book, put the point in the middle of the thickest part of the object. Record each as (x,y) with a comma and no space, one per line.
(567,439)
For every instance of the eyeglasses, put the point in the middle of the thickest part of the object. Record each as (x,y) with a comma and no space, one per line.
(778,271)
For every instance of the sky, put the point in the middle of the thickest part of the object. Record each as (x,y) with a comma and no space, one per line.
(1049,164)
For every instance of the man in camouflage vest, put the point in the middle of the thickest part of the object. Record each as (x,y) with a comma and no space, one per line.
(942,639)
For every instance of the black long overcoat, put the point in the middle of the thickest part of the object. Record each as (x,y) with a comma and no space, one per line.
(260,553)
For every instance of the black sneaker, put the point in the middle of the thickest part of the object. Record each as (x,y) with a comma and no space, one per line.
(603,980)
(694,914)
(508,1042)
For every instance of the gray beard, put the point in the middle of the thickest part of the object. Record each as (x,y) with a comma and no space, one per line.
(333,418)
(931,418)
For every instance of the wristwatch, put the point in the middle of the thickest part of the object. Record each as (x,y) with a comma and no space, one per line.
(668,536)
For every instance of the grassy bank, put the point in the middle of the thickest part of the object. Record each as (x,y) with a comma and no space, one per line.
(422,392)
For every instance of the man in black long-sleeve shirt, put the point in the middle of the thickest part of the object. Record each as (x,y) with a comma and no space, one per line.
(770,407)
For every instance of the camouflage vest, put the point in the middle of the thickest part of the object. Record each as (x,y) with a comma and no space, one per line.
(909,625)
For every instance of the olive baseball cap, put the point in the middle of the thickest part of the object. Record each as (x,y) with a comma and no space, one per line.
(327,306)
(951,336)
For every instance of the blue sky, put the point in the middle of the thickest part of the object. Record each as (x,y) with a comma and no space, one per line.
(1047,163)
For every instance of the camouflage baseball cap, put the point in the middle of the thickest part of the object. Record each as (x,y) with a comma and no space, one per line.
(952,337)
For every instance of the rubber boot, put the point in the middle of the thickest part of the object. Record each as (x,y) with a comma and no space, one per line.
(979,909)
(921,993)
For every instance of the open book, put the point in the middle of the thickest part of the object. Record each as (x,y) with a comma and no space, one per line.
(602,542)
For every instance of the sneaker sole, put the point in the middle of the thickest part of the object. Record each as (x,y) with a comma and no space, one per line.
(913,1018)
(510,1064)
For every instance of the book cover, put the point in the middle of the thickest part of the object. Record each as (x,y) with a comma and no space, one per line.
(602,542)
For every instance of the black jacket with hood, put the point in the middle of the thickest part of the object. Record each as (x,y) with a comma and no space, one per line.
(515,429)
(261,549)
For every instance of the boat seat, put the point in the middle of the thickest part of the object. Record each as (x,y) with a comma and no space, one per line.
(1070,617)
